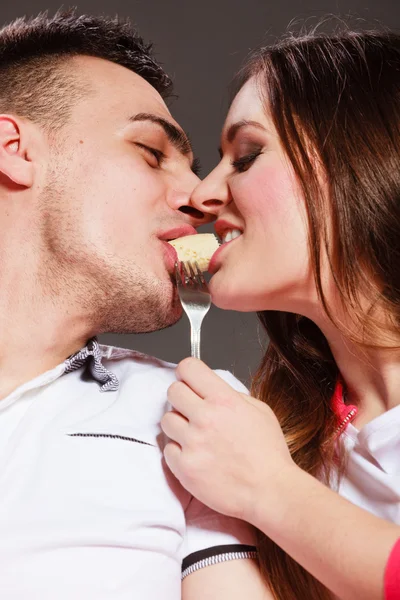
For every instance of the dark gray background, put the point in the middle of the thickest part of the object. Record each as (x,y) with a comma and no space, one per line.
(201,44)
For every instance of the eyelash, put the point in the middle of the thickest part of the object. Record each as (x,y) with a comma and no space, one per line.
(245,161)
(158,155)
(196,166)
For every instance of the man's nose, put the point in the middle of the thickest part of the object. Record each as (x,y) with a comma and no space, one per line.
(181,200)
(211,195)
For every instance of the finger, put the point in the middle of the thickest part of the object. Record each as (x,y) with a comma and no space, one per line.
(175,426)
(184,400)
(172,455)
(201,379)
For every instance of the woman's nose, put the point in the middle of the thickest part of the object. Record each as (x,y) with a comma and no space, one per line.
(211,195)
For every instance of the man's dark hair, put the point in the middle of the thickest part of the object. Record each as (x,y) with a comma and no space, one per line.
(34,80)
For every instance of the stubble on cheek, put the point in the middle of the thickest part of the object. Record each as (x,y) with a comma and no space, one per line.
(128,300)
(115,294)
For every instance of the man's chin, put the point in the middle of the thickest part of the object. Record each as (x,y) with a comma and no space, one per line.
(144,313)
(147,325)
(161,318)
(170,319)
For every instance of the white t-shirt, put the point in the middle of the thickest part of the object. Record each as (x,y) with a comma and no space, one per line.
(372,478)
(88,508)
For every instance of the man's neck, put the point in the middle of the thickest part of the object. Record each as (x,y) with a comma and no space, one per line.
(20,364)
(42,320)
(36,335)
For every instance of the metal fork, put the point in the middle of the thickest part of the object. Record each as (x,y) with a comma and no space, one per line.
(195,299)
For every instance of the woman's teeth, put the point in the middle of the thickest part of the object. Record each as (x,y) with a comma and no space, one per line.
(231,235)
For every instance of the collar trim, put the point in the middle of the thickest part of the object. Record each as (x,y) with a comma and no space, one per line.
(92,355)
(345,413)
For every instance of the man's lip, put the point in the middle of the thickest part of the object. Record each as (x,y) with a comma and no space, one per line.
(177,232)
(170,254)
(221,226)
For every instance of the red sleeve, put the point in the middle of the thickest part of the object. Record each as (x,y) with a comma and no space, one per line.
(392,574)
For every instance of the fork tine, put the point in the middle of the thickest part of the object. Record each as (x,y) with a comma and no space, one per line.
(199,274)
(177,273)
(180,275)
(186,273)
(191,269)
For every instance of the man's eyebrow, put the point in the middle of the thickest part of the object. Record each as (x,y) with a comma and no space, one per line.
(176,136)
(235,127)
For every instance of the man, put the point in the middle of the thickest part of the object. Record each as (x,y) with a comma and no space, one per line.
(95,176)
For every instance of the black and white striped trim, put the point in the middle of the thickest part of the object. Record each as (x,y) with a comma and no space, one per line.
(216,554)
(92,353)
(111,436)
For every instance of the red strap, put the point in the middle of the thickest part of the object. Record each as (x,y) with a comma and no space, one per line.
(341,409)
(392,574)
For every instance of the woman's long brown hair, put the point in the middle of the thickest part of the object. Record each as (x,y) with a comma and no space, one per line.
(335,103)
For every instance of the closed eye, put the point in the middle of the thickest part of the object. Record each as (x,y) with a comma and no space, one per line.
(157,154)
(244,163)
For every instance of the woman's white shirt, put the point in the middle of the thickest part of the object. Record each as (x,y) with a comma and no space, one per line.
(372,476)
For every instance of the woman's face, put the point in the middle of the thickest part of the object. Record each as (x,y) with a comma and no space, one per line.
(253,192)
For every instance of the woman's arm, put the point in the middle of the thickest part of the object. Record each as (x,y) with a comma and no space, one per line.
(342,545)
(229,451)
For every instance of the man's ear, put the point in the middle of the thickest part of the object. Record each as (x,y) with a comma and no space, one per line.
(15,165)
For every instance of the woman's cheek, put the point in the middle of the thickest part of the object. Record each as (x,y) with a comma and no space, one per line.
(264,190)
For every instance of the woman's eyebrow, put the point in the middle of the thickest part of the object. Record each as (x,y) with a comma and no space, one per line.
(235,127)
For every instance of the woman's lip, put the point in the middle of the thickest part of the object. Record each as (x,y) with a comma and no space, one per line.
(171,256)
(221,227)
(213,266)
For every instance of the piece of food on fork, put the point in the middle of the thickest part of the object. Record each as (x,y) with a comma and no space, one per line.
(196,248)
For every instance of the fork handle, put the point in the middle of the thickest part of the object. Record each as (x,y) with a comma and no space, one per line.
(195,342)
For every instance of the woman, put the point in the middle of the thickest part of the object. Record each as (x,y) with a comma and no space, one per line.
(309,182)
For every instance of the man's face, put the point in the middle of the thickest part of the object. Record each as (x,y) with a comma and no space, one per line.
(113,194)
